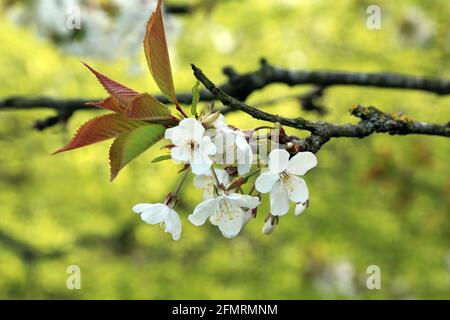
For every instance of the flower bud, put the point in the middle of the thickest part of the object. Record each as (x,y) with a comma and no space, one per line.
(249,215)
(300,207)
(270,224)
(208,120)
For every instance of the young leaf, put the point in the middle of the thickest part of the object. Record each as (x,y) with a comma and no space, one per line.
(157,54)
(130,145)
(195,99)
(146,107)
(124,95)
(99,129)
(109,103)
(162,158)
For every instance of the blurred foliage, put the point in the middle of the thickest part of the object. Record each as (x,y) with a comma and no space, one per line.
(382,200)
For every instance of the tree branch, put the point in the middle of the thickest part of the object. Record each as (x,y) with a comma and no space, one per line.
(372,121)
(240,86)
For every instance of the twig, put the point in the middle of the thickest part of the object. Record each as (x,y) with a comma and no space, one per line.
(372,121)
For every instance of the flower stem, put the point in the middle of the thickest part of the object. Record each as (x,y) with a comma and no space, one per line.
(180,109)
(183,179)
(219,185)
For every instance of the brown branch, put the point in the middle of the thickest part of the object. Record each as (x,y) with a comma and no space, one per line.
(240,86)
(372,121)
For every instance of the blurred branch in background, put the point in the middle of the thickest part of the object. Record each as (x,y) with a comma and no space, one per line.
(240,86)
(372,121)
(26,251)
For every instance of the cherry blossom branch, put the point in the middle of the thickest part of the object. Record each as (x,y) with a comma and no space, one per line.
(372,121)
(240,86)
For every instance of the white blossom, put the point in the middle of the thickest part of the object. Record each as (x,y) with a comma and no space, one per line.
(282,180)
(191,146)
(227,211)
(207,182)
(160,213)
(233,148)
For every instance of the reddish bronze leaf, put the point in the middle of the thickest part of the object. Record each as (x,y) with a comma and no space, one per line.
(101,128)
(123,94)
(109,103)
(157,54)
(146,107)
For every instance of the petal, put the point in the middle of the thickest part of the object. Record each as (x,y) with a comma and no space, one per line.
(279,200)
(225,144)
(230,228)
(300,208)
(152,213)
(269,226)
(180,154)
(244,168)
(194,129)
(229,218)
(243,200)
(220,122)
(199,162)
(296,189)
(278,160)
(266,180)
(177,135)
(203,180)
(301,163)
(173,224)
(244,159)
(204,210)
(222,176)
(207,146)
(240,140)
(141,207)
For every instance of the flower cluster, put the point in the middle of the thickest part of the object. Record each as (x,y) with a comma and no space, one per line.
(222,157)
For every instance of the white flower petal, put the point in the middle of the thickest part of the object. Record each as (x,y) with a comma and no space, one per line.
(229,217)
(244,168)
(194,128)
(220,122)
(203,180)
(180,154)
(222,176)
(266,180)
(141,207)
(296,189)
(231,228)
(278,160)
(269,226)
(200,163)
(241,142)
(204,210)
(173,224)
(300,208)
(279,200)
(152,213)
(207,146)
(177,135)
(225,144)
(244,159)
(243,200)
(301,163)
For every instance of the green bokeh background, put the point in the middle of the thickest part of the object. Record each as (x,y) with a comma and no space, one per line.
(383,200)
